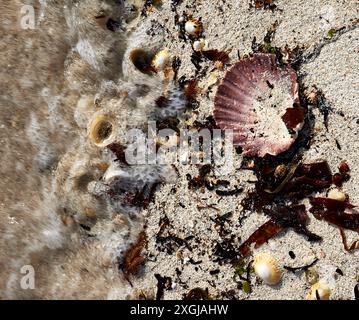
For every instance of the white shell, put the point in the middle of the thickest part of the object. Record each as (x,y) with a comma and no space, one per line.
(266,268)
(161,60)
(336,194)
(199,45)
(322,289)
(193,27)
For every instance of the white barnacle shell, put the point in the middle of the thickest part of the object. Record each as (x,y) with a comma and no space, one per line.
(193,27)
(319,291)
(266,267)
(161,60)
(101,130)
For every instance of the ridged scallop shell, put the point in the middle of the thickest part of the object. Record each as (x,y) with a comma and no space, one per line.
(266,267)
(258,99)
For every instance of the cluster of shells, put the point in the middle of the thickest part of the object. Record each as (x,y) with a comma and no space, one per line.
(268,269)
(257,99)
(129,72)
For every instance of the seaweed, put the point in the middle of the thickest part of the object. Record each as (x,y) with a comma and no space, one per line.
(293,117)
(225,250)
(229,192)
(216,55)
(334,212)
(133,258)
(294,217)
(163,283)
(196,59)
(259,237)
(197,294)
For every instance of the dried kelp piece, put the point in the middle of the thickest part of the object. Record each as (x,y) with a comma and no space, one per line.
(353,246)
(225,250)
(133,258)
(333,211)
(294,117)
(294,217)
(299,181)
(282,218)
(303,179)
(229,192)
(216,55)
(197,294)
(254,96)
(265,232)
(163,283)
(310,177)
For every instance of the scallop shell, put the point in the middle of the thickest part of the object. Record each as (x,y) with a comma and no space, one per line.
(266,267)
(258,99)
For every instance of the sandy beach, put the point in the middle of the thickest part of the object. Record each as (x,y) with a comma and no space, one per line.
(71,208)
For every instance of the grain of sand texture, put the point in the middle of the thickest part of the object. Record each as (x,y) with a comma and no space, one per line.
(74,64)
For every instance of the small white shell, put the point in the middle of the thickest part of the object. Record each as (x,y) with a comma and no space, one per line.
(193,27)
(319,290)
(199,45)
(161,60)
(266,268)
(336,194)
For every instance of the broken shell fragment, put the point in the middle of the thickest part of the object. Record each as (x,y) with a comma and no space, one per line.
(161,60)
(336,194)
(193,27)
(199,45)
(258,99)
(319,291)
(101,131)
(266,268)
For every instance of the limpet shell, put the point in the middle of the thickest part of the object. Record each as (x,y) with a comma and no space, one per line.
(101,130)
(266,267)
(258,99)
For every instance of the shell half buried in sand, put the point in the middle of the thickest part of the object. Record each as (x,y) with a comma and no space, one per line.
(258,99)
